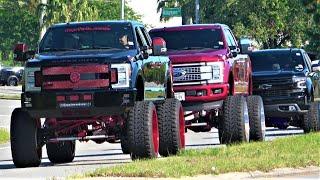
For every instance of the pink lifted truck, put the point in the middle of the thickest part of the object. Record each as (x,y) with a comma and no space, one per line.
(213,81)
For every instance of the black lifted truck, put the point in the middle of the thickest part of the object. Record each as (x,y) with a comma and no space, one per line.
(100,81)
(288,84)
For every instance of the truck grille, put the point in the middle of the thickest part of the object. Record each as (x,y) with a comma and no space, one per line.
(273,81)
(191,74)
(75,77)
(273,93)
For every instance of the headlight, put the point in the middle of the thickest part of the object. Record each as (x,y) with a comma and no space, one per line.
(29,79)
(124,73)
(300,82)
(217,72)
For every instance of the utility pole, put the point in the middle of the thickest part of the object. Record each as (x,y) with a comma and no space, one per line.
(122,9)
(197,11)
(41,18)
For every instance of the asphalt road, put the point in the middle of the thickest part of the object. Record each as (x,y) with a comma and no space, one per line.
(90,156)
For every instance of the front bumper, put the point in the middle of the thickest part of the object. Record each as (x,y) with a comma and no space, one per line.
(209,96)
(285,107)
(102,103)
(212,96)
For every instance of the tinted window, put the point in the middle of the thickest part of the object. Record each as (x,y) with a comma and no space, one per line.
(93,36)
(195,39)
(279,61)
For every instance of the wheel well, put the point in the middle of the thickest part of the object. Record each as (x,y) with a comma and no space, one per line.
(231,84)
(140,89)
(13,77)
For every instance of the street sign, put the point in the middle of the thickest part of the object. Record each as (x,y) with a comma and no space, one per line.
(171,12)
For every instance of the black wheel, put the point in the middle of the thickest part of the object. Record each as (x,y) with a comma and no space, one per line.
(143,132)
(61,152)
(311,119)
(12,81)
(25,148)
(257,118)
(171,127)
(125,144)
(234,126)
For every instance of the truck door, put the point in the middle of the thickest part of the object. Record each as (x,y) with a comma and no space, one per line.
(240,66)
(153,70)
(315,78)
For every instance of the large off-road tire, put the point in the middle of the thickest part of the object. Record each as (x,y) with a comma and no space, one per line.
(125,146)
(25,148)
(311,120)
(171,127)
(61,152)
(234,125)
(143,132)
(257,118)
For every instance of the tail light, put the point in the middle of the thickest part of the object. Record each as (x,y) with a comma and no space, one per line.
(114,75)
(38,78)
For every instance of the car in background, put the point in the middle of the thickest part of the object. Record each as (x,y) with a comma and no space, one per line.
(11,76)
(285,80)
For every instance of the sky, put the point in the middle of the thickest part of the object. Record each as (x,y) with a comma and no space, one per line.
(150,17)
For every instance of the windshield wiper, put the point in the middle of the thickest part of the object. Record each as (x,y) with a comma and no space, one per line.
(58,49)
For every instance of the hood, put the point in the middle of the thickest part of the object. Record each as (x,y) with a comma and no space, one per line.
(80,57)
(189,56)
(276,74)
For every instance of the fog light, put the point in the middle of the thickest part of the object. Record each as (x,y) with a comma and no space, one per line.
(217,91)
(292,108)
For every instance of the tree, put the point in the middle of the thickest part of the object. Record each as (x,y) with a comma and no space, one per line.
(313,8)
(273,23)
(17,24)
(19,19)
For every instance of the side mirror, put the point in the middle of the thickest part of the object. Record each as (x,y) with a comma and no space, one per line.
(159,46)
(234,51)
(19,52)
(315,66)
(246,45)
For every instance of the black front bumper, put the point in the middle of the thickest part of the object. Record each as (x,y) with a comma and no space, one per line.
(103,103)
(285,107)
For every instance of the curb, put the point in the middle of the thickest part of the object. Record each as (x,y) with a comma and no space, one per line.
(273,174)
(285,172)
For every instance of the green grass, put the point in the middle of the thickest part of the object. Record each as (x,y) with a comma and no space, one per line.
(4,136)
(298,151)
(10,96)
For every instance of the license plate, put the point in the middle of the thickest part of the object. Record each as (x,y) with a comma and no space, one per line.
(181,96)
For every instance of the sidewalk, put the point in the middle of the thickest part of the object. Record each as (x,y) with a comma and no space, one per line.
(282,173)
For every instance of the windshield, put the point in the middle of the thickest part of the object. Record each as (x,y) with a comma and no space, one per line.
(83,37)
(277,62)
(191,39)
